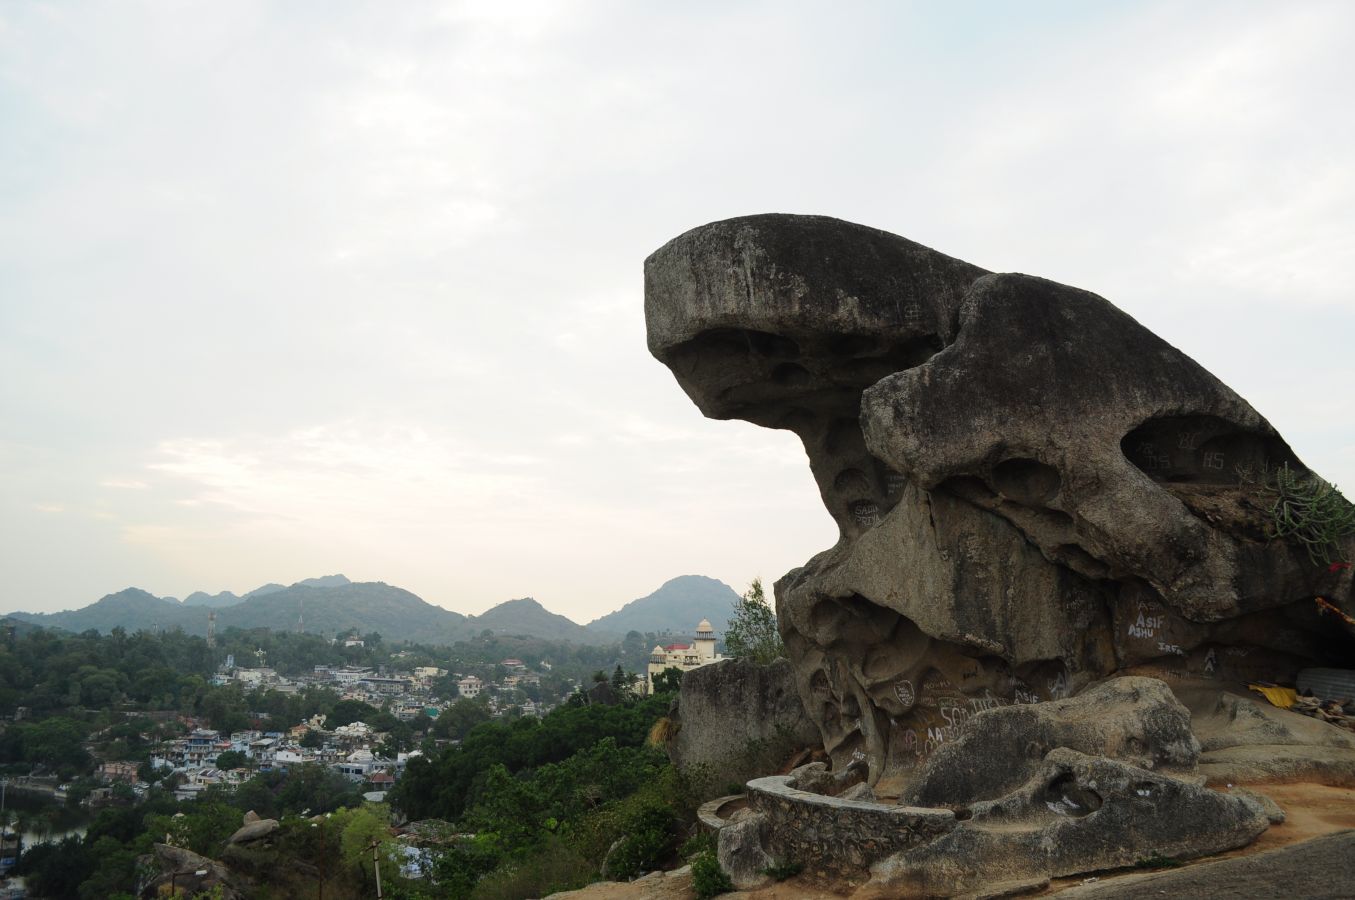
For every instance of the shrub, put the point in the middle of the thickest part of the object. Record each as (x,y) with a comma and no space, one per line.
(708,879)
(647,838)
(556,867)
(701,842)
(1312,512)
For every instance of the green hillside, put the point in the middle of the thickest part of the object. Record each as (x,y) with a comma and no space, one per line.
(675,607)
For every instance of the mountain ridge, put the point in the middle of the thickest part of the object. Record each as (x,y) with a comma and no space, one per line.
(677,606)
(332,604)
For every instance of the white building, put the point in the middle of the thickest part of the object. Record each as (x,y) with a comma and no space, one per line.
(469,687)
(701,652)
(362,764)
(353,731)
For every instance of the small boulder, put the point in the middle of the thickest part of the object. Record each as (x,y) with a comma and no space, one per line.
(742,849)
(860,791)
(253,831)
(1133,719)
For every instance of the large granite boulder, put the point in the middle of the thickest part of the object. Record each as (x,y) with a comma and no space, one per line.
(1132,719)
(168,868)
(737,720)
(1032,490)
(1078,813)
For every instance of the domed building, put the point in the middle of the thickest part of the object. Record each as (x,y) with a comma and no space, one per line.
(700,652)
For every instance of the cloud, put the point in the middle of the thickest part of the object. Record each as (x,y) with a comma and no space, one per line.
(340,475)
(360,289)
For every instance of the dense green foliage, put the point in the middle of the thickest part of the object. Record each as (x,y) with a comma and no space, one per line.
(551,801)
(103,862)
(752,632)
(47,671)
(445,787)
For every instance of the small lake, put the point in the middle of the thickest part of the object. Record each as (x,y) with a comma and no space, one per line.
(39,818)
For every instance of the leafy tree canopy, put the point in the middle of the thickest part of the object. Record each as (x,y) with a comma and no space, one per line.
(752,632)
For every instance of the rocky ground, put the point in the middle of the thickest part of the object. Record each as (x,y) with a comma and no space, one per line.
(1310,855)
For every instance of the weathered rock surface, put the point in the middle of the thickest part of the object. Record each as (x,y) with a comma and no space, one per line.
(1246,740)
(1133,719)
(1274,814)
(815,778)
(1320,869)
(1078,814)
(1032,490)
(175,867)
(253,831)
(738,720)
(741,849)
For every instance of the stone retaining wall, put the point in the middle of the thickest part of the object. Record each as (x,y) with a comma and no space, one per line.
(836,836)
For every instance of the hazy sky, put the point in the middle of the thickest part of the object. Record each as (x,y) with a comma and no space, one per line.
(289,289)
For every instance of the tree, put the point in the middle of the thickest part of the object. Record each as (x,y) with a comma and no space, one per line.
(56,742)
(668,681)
(362,828)
(346,712)
(456,721)
(231,759)
(752,633)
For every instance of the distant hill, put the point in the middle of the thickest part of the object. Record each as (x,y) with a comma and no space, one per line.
(677,606)
(227,598)
(216,601)
(393,612)
(133,609)
(21,628)
(333,604)
(324,581)
(526,616)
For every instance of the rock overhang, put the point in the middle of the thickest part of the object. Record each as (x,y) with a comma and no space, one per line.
(1026,481)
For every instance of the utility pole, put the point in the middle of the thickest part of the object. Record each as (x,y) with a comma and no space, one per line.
(324,851)
(376,867)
